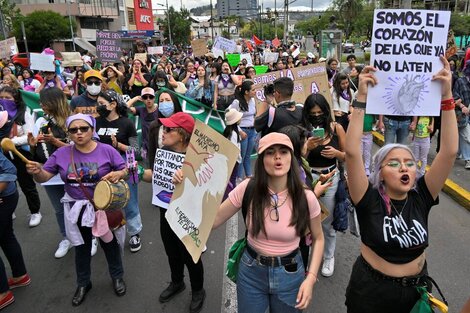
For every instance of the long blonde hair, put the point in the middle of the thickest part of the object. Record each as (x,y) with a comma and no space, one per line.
(56,102)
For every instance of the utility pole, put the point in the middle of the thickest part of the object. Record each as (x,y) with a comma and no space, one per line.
(169,27)
(286,19)
(24,37)
(275,19)
(212,25)
(406,4)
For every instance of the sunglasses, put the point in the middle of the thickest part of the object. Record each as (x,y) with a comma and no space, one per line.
(82,129)
(397,164)
(168,129)
(95,82)
(146,97)
(274,213)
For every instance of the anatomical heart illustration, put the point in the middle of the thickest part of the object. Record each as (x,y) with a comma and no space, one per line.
(409,94)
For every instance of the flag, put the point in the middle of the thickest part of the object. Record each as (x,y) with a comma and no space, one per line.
(276,42)
(256,40)
(249,46)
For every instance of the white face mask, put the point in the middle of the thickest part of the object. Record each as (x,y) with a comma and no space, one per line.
(93,90)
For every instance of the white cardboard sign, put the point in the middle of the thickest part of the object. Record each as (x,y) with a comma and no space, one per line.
(225,44)
(42,62)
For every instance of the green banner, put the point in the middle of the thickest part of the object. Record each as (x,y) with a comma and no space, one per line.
(233,59)
(261,69)
(204,113)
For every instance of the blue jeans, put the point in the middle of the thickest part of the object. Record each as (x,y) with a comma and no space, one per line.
(464,142)
(400,129)
(328,199)
(55,193)
(246,148)
(132,211)
(263,288)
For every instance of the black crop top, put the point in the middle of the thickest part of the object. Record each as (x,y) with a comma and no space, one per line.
(394,239)
(315,159)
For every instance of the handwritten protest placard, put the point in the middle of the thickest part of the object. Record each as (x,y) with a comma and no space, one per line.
(142,57)
(8,47)
(108,46)
(307,80)
(225,44)
(247,57)
(199,47)
(165,165)
(71,59)
(42,62)
(155,50)
(270,57)
(406,45)
(209,162)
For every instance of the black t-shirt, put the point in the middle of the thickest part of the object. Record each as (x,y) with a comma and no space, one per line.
(123,128)
(84,104)
(136,90)
(282,117)
(396,240)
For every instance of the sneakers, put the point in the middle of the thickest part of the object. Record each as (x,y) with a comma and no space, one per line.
(467,164)
(134,243)
(172,290)
(197,301)
(204,249)
(64,247)
(328,267)
(94,246)
(25,281)
(35,219)
(9,299)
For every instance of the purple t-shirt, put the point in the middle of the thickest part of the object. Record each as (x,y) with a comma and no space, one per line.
(90,167)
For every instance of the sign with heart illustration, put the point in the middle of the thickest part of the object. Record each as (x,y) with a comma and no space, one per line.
(406,45)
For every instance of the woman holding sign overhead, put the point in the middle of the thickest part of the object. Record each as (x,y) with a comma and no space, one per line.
(177,130)
(225,85)
(393,208)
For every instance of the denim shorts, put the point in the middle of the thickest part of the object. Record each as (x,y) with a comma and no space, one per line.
(262,288)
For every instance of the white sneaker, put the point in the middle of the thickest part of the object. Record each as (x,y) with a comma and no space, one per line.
(64,247)
(204,249)
(94,246)
(35,219)
(13,216)
(328,267)
(467,164)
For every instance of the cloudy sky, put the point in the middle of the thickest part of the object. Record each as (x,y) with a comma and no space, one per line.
(318,4)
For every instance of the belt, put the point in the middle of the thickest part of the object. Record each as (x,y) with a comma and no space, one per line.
(325,170)
(406,281)
(273,261)
(250,127)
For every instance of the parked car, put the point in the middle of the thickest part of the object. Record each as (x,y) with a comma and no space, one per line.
(21,60)
(348,47)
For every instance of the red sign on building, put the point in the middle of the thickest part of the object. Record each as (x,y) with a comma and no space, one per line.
(143,14)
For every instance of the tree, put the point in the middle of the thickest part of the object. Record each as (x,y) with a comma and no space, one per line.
(315,24)
(180,24)
(9,13)
(348,11)
(43,27)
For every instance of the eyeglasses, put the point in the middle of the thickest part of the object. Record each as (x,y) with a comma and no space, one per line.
(146,97)
(274,213)
(82,129)
(397,164)
(95,82)
(168,129)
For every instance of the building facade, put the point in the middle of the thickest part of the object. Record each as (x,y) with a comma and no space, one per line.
(242,8)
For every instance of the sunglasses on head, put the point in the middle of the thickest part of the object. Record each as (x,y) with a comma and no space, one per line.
(95,82)
(82,129)
(146,97)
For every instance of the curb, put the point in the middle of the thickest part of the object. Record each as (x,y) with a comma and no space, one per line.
(453,190)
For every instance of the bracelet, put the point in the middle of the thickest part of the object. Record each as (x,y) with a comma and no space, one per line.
(314,276)
(448,105)
(358,105)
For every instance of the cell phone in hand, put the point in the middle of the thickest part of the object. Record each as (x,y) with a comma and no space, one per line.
(318,132)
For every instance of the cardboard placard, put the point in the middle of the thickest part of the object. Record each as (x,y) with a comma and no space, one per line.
(199,47)
(155,50)
(247,57)
(42,62)
(225,44)
(210,158)
(71,59)
(307,80)
(142,57)
(270,57)
(406,45)
(108,46)
(8,47)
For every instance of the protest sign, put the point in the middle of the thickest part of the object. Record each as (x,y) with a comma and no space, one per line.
(108,46)
(260,69)
(142,57)
(155,50)
(225,44)
(165,165)
(307,80)
(218,53)
(247,57)
(42,62)
(71,59)
(8,47)
(233,59)
(270,57)
(199,47)
(406,45)
(210,158)
(276,42)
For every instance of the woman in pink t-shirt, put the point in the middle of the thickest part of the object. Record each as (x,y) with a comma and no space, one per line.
(271,276)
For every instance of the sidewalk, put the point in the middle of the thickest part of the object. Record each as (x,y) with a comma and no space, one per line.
(457,186)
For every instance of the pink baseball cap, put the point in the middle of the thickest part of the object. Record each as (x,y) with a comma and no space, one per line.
(272,139)
(147,91)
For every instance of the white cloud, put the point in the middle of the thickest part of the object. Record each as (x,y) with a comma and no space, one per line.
(318,4)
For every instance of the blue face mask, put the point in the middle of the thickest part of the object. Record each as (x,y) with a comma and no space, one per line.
(166,108)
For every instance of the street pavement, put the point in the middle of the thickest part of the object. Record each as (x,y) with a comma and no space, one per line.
(147,272)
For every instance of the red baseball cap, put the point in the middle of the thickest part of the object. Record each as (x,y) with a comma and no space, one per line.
(179,119)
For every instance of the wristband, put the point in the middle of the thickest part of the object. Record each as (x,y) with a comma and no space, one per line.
(311,273)
(448,105)
(358,105)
